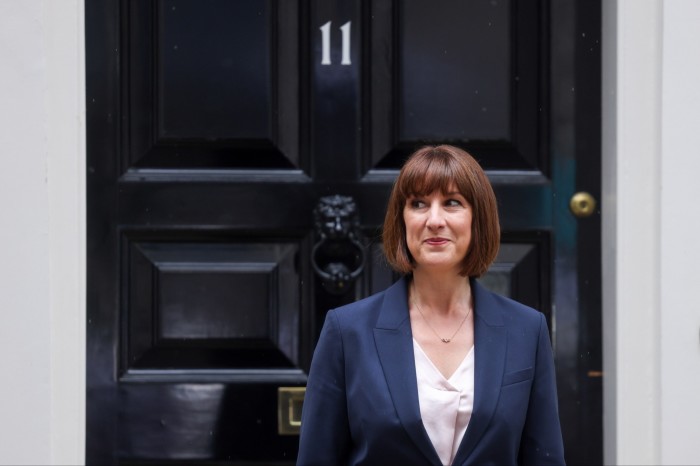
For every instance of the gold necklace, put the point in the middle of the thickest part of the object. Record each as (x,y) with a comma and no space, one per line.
(444,340)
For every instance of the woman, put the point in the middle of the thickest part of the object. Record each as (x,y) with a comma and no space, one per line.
(436,369)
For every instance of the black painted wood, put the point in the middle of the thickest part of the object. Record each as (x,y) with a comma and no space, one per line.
(211,87)
(214,129)
(474,74)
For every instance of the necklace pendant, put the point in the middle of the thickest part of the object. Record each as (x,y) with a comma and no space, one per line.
(446,340)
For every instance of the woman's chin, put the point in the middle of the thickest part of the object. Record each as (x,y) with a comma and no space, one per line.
(438,266)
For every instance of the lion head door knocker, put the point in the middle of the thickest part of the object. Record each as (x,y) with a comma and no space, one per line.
(338,258)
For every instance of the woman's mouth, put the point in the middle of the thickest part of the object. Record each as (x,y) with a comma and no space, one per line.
(436,241)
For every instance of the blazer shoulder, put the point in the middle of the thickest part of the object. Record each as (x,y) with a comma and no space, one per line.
(360,311)
(389,304)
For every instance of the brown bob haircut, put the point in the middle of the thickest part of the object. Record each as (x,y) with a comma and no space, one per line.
(434,168)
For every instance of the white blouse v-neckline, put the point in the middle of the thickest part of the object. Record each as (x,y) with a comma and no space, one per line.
(446,404)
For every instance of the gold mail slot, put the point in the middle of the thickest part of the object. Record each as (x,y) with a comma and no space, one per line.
(289,403)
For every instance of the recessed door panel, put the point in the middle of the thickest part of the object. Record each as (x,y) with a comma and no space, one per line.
(452,87)
(210,88)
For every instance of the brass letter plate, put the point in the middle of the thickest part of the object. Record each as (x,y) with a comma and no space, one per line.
(289,403)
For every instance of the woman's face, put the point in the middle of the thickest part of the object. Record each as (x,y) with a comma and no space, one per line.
(438,229)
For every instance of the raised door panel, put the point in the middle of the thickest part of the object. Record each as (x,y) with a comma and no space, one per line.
(211,307)
(473,74)
(211,84)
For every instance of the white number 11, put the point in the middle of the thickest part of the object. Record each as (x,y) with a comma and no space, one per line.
(326,44)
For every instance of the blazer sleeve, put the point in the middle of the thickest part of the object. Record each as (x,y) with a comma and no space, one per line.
(541,441)
(325,433)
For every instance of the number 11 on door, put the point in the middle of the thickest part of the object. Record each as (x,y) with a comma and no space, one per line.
(326,44)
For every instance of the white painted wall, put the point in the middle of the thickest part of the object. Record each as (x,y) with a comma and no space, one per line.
(651,316)
(651,132)
(42,206)
(25,333)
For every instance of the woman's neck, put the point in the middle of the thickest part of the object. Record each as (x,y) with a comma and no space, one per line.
(441,293)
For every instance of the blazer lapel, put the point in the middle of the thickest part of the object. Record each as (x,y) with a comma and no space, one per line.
(394,340)
(490,339)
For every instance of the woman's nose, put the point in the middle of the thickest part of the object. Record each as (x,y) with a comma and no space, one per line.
(436,218)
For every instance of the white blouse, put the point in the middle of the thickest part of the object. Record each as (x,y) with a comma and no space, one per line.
(445,404)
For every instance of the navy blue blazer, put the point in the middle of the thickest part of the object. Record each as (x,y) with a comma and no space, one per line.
(361,404)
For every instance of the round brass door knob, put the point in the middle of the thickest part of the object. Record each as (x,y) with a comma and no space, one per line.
(582,204)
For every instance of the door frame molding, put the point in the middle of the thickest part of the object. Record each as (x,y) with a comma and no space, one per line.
(632,37)
(650,334)
(66,134)
(46,224)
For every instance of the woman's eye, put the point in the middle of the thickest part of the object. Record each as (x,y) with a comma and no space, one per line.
(453,203)
(417,204)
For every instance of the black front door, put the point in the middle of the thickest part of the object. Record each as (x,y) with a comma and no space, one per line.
(240,155)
